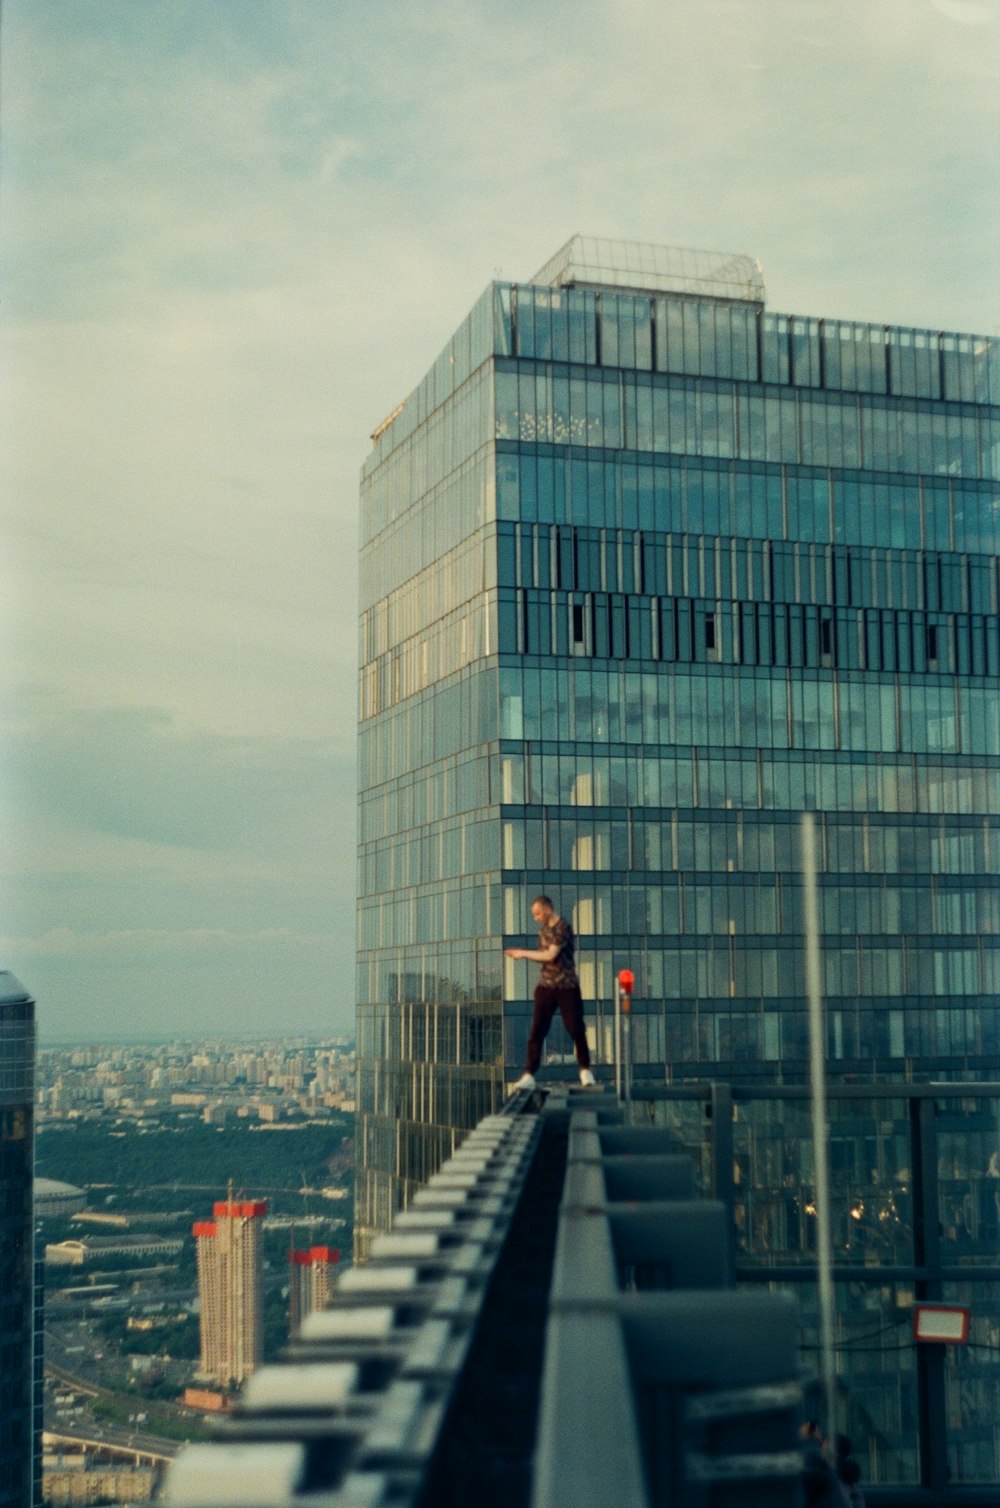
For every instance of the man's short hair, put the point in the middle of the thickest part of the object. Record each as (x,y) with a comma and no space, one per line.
(543,900)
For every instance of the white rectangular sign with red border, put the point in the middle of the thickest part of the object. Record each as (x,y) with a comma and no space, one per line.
(948,1324)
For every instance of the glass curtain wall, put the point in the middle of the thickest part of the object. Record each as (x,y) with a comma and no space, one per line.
(747,568)
(644,577)
(914,1218)
(428,992)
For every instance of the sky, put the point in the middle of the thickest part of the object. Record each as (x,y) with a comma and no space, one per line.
(233,236)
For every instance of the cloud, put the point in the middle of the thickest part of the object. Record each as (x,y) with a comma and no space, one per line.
(139,852)
(231,246)
(968,12)
(132,772)
(149,943)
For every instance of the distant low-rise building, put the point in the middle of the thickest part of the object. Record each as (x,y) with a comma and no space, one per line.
(207,1400)
(72,1480)
(143,1323)
(101,1217)
(53,1198)
(75,1252)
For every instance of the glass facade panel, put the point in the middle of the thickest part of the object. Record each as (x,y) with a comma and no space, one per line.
(968,1139)
(914,1220)
(871,1183)
(878,1367)
(972,1386)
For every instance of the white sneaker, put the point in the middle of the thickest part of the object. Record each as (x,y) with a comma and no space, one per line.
(526,1081)
(587,1079)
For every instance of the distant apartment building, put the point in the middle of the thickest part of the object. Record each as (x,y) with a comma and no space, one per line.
(647,572)
(311,1275)
(75,1090)
(230,1290)
(20,1337)
(72,1479)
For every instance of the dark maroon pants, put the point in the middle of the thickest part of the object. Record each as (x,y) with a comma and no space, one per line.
(568,1003)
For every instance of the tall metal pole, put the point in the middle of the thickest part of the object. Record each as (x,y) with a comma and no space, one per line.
(618,1039)
(817,1072)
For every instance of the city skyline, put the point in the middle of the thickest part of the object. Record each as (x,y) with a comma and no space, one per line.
(146,1157)
(228,253)
(143,1039)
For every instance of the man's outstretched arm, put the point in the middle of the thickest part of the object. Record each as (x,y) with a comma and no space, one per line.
(534,955)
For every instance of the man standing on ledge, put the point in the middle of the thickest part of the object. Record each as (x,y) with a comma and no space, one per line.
(558,989)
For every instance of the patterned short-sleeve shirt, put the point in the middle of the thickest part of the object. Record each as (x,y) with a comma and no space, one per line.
(560,974)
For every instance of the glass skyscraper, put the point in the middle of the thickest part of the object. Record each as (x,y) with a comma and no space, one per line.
(20,1392)
(647,571)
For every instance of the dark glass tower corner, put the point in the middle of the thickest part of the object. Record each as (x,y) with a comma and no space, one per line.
(19,1437)
(647,572)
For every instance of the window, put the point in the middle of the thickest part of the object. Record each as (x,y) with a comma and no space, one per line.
(826,637)
(577,623)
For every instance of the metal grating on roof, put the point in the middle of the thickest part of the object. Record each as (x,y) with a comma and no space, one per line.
(647,268)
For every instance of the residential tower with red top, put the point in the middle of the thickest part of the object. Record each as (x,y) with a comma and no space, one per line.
(230,1288)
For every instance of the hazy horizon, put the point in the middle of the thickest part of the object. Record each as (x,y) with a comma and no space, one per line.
(185,1038)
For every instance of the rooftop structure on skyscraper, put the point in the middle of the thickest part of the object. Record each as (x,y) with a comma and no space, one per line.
(597,262)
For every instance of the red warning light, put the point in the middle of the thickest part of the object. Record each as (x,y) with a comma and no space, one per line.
(626,981)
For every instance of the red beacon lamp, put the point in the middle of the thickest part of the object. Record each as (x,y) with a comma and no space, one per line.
(625,980)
